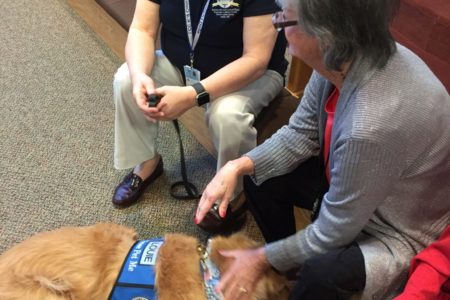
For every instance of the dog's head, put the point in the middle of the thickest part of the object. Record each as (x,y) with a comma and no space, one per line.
(178,274)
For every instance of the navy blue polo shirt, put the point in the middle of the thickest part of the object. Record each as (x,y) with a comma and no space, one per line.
(220,40)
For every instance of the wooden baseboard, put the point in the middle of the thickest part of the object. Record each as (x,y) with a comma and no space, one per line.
(102,23)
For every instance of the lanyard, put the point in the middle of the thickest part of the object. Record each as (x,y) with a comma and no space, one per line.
(193,39)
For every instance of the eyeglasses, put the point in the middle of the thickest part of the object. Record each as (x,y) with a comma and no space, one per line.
(279,22)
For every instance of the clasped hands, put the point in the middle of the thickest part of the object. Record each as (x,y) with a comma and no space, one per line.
(175,100)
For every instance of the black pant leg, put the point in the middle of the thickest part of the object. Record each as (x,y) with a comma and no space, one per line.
(272,202)
(336,275)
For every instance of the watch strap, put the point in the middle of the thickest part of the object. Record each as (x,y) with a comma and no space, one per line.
(202,95)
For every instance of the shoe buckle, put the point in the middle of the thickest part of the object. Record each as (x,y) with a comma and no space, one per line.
(135,181)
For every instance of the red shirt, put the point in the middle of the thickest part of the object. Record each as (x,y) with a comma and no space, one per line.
(430,272)
(330,108)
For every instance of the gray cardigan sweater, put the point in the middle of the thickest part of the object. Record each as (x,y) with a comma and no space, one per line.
(389,162)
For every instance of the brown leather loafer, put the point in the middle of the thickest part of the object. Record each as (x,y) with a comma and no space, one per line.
(132,186)
(232,222)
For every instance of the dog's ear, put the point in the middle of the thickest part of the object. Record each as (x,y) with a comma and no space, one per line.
(271,286)
(178,269)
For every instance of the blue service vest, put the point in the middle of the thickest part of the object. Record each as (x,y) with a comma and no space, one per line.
(136,280)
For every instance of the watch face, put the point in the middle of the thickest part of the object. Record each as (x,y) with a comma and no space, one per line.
(202,95)
(202,98)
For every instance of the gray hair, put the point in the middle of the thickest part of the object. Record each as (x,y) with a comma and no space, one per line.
(348,29)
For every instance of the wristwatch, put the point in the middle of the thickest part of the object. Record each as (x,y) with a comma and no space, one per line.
(202,95)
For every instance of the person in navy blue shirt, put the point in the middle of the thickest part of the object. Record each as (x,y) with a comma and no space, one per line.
(225,55)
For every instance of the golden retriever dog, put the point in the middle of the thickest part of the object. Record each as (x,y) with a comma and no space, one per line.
(83,263)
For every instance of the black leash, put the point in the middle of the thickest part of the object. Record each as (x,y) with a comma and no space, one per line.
(190,188)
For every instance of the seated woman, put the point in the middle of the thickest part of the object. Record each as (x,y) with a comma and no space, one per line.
(222,54)
(368,151)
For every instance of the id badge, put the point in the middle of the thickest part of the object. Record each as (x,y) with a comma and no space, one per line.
(192,75)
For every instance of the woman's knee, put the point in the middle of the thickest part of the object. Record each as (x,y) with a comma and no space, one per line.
(338,274)
(122,81)
(227,117)
(232,129)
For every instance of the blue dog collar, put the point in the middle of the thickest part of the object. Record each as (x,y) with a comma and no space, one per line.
(136,280)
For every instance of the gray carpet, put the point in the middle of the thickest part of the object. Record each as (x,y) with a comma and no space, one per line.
(56,133)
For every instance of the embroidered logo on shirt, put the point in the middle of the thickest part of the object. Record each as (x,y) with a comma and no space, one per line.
(225,9)
(225,3)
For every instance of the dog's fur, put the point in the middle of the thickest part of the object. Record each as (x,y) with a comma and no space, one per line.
(84,262)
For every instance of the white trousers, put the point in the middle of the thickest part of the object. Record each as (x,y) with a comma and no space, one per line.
(229,118)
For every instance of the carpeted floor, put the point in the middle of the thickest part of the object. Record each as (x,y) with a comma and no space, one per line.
(56,133)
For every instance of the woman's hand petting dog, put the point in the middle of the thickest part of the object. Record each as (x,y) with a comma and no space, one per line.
(246,269)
